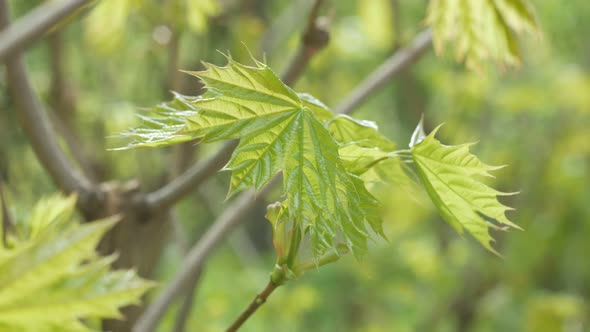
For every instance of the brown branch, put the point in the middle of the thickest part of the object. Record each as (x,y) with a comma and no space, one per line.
(7,222)
(398,62)
(79,153)
(196,257)
(175,190)
(64,109)
(31,27)
(36,124)
(315,37)
(254,305)
(187,304)
(173,73)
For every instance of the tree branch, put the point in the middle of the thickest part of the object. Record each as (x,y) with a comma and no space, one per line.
(315,37)
(31,27)
(173,74)
(63,102)
(36,124)
(173,191)
(7,222)
(254,305)
(187,304)
(398,62)
(196,257)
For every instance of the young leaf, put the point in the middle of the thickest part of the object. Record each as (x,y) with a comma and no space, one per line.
(361,144)
(481,30)
(161,124)
(448,174)
(52,276)
(279,131)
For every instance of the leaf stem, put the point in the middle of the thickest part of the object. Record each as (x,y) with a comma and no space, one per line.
(328,258)
(254,305)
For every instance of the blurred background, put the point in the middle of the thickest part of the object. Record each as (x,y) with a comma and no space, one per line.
(124,54)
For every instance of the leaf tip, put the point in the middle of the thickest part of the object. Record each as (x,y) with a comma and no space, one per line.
(418,135)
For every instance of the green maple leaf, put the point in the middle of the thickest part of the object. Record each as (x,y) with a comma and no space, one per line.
(280,131)
(481,30)
(449,176)
(51,276)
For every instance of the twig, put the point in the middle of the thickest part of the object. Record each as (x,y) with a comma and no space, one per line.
(196,257)
(284,24)
(36,124)
(79,151)
(183,243)
(187,304)
(64,109)
(227,222)
(172,76)
(314,38)
(398,62)
(35,24)
(7,222)
(173,191)
(254,305)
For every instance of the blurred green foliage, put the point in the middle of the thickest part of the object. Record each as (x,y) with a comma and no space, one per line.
(534,118)
(52,276)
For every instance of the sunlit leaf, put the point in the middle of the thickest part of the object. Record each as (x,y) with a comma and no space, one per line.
(481,30)
(280,131)
(161,125)
(197,13)
(362,146)
(50,274)
(107,38)
(449,176)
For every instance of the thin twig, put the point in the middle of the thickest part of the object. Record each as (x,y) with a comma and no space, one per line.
(7,222)
(37,126)
(187,304)
(182,242)
(398,62)
(226,223)
(196,257)
(175,190)
(31,27)
(64,109)
(254,305)
(173,73)
(315,37)
(80,153)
